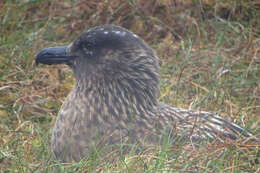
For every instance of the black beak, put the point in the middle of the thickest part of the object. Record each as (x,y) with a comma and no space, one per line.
(54,55)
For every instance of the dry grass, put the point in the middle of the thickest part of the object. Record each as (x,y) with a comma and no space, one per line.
(210,60)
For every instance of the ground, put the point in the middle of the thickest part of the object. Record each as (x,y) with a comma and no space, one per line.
(209,57)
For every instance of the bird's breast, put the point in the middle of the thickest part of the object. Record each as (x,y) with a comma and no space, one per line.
(86,123)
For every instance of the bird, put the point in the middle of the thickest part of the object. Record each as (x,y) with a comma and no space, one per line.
(115,98)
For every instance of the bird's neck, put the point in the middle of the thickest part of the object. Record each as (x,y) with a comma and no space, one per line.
(118,99)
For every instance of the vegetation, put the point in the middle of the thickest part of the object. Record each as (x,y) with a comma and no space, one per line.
(210,60)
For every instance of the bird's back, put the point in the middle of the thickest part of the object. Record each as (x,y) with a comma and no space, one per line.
(200,125)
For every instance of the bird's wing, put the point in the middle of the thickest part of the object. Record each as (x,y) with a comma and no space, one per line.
(201,124)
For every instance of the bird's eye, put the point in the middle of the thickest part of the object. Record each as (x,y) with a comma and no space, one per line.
(87,49)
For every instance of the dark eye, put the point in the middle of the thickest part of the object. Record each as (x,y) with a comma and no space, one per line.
(88,51)
(87,48)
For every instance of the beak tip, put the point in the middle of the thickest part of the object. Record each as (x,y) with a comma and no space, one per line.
(36,63)
(37,59)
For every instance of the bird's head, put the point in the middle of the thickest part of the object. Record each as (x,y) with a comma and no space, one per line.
(109,55)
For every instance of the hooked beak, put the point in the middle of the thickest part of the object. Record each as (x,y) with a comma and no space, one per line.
(54,55)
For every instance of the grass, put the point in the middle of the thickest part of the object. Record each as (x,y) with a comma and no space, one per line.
(209,57)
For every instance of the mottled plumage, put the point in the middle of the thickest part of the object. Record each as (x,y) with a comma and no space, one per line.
(114,99)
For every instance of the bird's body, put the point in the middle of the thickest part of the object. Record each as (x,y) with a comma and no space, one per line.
(114,100)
